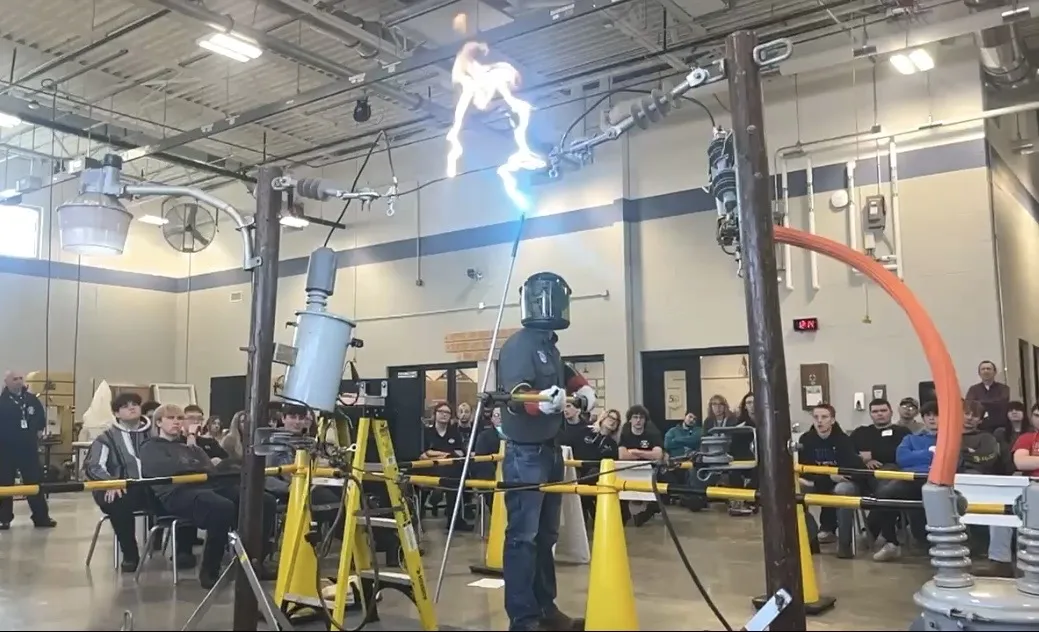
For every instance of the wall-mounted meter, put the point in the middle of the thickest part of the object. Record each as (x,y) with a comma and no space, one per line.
(875,212)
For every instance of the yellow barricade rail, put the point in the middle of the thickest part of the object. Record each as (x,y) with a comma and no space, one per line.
(851,472)
(101,486)
(711,493)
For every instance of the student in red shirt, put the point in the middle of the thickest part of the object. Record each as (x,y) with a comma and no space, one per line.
(1026,451)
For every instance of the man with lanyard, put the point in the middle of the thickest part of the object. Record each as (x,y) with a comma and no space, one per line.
(22,422)
(529,362)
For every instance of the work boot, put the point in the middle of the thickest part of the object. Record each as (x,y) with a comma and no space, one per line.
(185,561)
(556,621)
(46,523)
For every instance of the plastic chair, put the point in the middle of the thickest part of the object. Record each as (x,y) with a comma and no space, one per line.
(167,523)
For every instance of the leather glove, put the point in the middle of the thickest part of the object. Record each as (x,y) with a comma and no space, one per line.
(587,393)
(556,400)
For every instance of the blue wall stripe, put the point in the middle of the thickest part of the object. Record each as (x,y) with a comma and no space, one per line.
(918,163)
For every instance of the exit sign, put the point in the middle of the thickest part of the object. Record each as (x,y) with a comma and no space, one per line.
(806,324)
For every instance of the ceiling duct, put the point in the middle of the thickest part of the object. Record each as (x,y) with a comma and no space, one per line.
(1004,58)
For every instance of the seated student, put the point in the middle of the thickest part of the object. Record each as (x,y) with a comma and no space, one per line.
(826,444)
(324,501)
(444,441)
(194,416)
(984,454)
(210,506)
(488,442)
(640,441)
(914,454)
(589,444)
(113,455)
(878,442)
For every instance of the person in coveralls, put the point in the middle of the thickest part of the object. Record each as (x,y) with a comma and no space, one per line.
(529,362)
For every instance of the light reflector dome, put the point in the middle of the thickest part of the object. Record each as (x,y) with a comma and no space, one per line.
(93,224)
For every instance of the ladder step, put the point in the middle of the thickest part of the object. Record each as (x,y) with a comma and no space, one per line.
(388,577)
(379,523)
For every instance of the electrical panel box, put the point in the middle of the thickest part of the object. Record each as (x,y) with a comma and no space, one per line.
(875,212)
(815,385)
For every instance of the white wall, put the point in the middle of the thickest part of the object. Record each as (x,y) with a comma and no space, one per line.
(1017,240)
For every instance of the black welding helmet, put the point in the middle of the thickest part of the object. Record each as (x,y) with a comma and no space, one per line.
(545,302)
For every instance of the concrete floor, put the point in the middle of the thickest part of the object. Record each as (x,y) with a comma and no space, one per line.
(45,586)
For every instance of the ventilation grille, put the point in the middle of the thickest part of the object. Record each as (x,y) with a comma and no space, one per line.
(236,297)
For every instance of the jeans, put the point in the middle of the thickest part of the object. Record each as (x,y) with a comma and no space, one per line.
(884,522)
(530,533)
(1001,544)
(841,521)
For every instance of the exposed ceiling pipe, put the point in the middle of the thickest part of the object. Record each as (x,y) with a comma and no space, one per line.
(1003,57)
(353,35)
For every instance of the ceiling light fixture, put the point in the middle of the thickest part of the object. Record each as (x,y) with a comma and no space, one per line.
(154,220)
(917,60)
(9,120)
(231,46)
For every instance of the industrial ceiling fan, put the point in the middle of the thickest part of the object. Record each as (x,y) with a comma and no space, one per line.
(189,227)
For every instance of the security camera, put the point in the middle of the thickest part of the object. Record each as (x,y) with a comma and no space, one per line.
(362,111)
(474,274)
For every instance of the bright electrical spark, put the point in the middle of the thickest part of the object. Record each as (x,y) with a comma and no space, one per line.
(481,83)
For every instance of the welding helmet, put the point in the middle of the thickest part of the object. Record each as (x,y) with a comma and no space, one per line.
(545,302)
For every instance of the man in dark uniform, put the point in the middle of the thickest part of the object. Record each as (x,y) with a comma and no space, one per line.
(529,362)
(22,421)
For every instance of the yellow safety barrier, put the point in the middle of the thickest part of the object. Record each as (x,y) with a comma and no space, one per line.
(890,475)
(72,487)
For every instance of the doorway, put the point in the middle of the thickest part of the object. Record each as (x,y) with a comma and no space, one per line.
(226,396)
(681,381)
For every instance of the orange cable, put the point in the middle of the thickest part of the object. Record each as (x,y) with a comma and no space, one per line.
(946,384)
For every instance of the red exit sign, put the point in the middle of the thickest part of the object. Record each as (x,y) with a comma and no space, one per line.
(806,324)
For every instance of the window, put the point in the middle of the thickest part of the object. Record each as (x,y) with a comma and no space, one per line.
(20,236)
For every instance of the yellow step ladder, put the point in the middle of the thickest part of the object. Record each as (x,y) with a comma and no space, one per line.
(296,587)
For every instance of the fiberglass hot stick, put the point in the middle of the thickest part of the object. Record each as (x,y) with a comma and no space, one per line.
(479,407)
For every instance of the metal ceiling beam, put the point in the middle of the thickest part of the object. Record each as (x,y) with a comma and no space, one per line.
(225,24)
(645,40)
(114,135)
(530,24)
(60,60)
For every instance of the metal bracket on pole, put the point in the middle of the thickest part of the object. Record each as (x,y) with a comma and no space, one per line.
(768,612)
(272,614)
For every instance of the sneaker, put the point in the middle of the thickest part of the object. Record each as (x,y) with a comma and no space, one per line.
(739,508)
(46,523)
(129,565)
(4,526)
(887,553)
(827,537)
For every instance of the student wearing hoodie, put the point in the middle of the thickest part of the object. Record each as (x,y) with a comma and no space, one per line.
(914,454)
(113,455)
(683,439)
(210,506)
(825,443)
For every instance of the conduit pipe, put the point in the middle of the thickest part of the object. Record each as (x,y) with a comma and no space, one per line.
(813,257)
(896,213)
(788,280)
(946,383)
(853,207)
(833,142)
